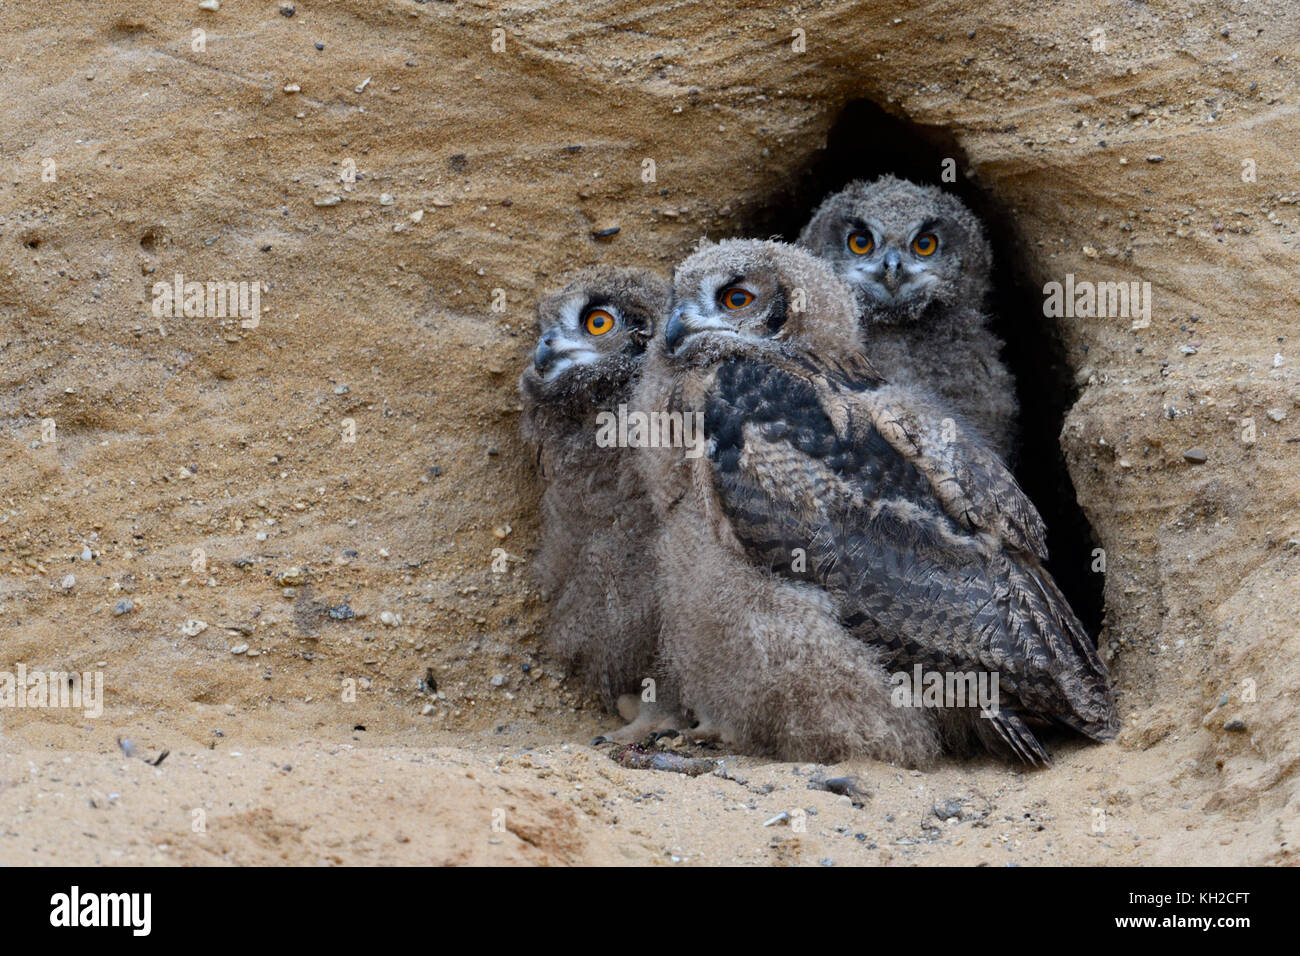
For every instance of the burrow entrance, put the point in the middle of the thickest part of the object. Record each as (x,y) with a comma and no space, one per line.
(867,142)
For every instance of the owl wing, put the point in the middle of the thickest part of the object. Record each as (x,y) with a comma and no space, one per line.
(969,480)
(815,490)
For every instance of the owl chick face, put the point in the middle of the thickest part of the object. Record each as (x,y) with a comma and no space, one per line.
(594,334)
(745,295)
(902,247)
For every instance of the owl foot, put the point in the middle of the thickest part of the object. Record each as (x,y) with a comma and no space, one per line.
(651,720)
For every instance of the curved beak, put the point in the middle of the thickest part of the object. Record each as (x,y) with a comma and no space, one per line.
(545,353)
(893,270)
(675,330)
(684,323)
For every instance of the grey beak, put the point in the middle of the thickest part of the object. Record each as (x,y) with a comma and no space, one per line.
(893,270)
(545,354)
(675,330)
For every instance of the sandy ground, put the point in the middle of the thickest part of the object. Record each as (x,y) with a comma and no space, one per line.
(198,468)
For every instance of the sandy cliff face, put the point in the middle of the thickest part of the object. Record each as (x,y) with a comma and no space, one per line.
(401,193)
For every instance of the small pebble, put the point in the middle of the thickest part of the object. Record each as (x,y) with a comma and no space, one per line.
(69,582)
(292,88)
(290,577)
(239,649)
(1276,414)
(498,680)
(1196,456)
(213,5)
(1236,725)
(389,619)
(87,554)
(124,606)
(193,627)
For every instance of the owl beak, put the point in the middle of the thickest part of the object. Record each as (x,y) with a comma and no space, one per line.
(675,330)
(893,270)
(684,323)
(545,354)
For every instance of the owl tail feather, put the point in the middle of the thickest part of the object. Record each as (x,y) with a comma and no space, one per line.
(1007,727)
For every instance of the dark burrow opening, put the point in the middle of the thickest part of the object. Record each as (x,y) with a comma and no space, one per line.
(867,142)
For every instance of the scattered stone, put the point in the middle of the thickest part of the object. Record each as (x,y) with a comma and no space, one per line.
(239,649)
(948,810)
(341,612)
(844,786)
(213,5)
(1236,725)
(292,88)
(1277,414)
(502,532)
(291,577)
(328,201)
(498,680)
(287,10)
(606,231)
(1189,349)
(1155,159)
(1196,456)
(385,199)
(417,215)
(87,554)
(193,627)
(69,582)
(389,619)
(426,710)
(124,606)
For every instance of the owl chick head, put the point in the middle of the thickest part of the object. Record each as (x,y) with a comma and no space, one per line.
(593,335)
(902,247)
(740,295)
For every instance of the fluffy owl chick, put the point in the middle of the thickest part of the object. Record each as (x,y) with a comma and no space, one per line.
(838,526)
(919,264)
(596,517)
(760,657)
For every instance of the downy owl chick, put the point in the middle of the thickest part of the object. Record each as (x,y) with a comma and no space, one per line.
(760,657)
(596,519)
(919,265)
(838,527)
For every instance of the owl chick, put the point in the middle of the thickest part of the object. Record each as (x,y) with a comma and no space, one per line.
(596,518)
(840,527)
(919,264)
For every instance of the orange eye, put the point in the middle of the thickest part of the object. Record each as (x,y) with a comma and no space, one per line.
(736,297)
(861,243)
(599,322)
(925,244)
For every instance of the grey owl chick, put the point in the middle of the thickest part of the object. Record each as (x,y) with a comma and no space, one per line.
(596,517)
(840,526)
(760,657)
(919,266)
